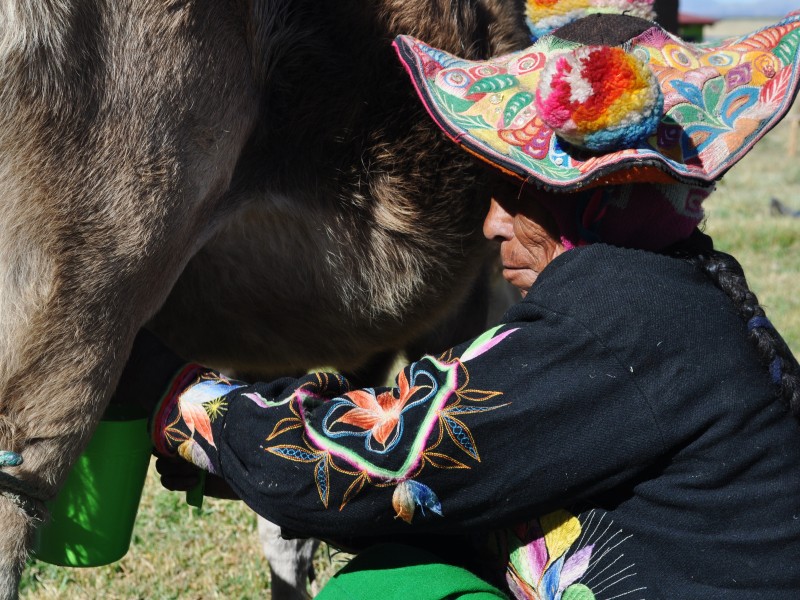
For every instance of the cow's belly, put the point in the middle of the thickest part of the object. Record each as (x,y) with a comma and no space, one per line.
(279,290)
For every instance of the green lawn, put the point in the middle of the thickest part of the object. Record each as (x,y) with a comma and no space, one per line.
(739,220)
(179,554)
(176,553)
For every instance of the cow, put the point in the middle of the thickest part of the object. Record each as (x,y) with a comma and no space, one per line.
(253,178)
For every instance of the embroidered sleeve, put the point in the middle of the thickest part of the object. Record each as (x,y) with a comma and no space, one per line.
(473,436)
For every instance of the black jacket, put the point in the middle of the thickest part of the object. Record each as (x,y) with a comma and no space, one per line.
(617,435)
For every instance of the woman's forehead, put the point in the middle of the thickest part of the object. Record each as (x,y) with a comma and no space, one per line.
(512,191)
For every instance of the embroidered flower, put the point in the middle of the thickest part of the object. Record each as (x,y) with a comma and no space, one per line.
(559,557)
(199,405)
(380,415)
(441,392)
(540,569)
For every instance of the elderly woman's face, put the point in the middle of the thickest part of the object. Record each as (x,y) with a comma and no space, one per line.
(527,235)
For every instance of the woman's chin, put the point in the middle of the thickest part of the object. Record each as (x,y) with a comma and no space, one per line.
(522,279)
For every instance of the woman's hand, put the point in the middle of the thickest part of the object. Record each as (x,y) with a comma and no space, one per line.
(177,475)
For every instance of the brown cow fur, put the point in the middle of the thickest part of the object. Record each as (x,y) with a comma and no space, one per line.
(278,142)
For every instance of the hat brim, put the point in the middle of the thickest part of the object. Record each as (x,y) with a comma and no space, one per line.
(719,100)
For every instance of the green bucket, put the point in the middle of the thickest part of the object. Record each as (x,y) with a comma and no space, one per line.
(92,517)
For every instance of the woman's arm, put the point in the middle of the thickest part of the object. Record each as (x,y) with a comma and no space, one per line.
(530,416)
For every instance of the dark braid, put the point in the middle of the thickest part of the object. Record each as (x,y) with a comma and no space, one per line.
(727,274)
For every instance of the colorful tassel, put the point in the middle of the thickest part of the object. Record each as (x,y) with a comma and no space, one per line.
(545,16)
(409,494)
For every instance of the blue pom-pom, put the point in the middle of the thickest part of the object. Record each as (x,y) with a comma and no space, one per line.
(10,459)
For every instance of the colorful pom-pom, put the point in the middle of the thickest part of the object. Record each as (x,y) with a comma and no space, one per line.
(599,98)
(10,459)
(545,16)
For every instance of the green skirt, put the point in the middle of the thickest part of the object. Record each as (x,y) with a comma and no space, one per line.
(397,572)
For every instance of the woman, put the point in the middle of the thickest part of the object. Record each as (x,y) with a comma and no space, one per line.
(627,431)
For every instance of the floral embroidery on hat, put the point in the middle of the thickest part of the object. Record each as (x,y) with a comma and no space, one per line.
(718,101)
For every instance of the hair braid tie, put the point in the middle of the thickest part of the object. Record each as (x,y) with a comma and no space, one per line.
(776,370)
(757,322)
(727,274)
(776,364)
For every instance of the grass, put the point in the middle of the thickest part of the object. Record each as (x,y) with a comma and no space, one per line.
(179,554)
(767,246)
(175,553)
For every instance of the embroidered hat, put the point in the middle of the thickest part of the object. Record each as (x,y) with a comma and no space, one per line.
(612,99)
(545,16)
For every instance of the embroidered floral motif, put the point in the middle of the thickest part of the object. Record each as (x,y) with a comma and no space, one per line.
(199,405)
(436,393)
(558,558)
(375,417)
(717,102)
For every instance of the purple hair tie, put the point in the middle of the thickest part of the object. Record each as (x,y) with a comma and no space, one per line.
(775,370)
(757,322)
(776,366)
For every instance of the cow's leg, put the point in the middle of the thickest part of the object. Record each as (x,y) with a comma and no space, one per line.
(290,561)
(119,131)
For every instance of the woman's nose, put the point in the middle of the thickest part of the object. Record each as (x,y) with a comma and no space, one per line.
(499,223)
